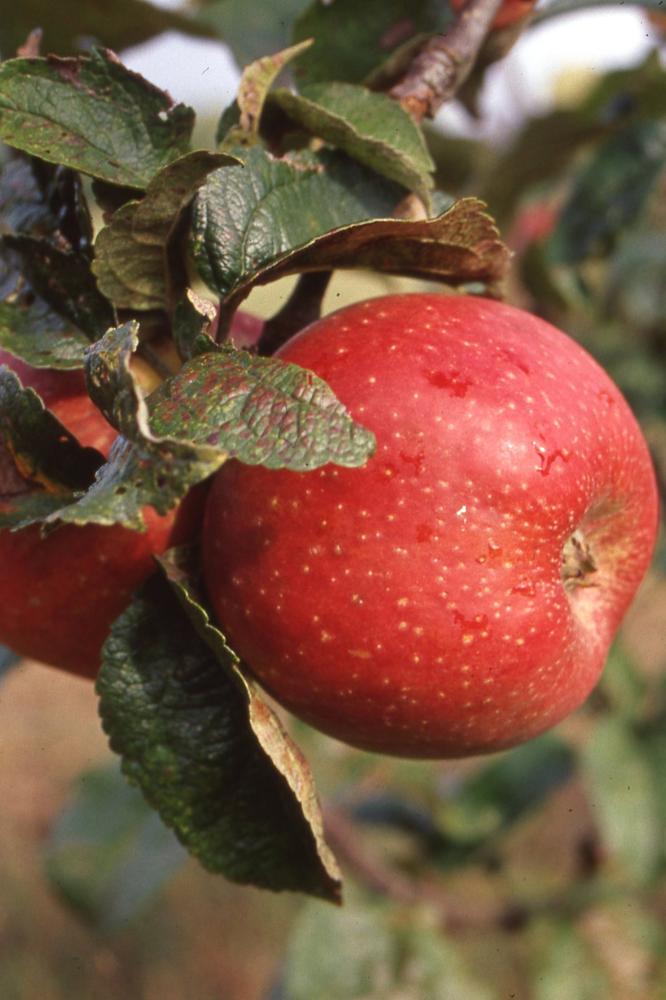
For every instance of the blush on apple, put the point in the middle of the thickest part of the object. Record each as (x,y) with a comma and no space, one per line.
(60,594)
(459,593)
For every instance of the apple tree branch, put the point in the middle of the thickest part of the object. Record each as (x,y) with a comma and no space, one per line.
(443,64)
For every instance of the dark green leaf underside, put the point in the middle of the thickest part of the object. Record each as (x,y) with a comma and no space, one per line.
(181,725)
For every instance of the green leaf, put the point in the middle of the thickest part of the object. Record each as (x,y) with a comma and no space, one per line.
(118,25)
(191,324)
(369,127)
(109,853)
(564,965)
(251,28)
(375,958)
(63,279)
(131,275)
(206,752)
(131,252)
(623,796)
(47,291)
(433,967)
(142,468)
(246,217)
(23,208)
(352,39)
(459,247)
(43,450)
(255,82)
(362,963)
(30,330)
(276,217)
(93,115)
(500,794)
(610,192)
(136,476)
(42,200)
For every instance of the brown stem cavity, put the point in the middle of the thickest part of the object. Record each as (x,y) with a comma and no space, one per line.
(578,563)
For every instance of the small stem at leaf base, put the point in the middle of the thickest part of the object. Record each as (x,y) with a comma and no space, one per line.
(301,308)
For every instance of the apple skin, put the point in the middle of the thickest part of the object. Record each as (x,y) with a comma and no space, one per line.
(64,393)
(60,594)
(417,606)
(510,11)
(533,224)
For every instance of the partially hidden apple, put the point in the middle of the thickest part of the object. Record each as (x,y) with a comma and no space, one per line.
(510,11)
(459,593)
(60,594)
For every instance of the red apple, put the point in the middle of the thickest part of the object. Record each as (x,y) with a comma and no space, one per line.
(459,593)
(64,393)
(533,224)
(60,594)
(510,11)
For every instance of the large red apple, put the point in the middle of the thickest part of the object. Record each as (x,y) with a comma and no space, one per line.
(60,594)
(459,593)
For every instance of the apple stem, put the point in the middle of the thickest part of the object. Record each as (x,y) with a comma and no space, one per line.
(578,562)
(301,308)
(441,67)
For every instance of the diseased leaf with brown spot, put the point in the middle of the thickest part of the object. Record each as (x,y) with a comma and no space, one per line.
(92,114)
(261,411)
(142,469)
(459,247)
(208,755)
(225,403)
